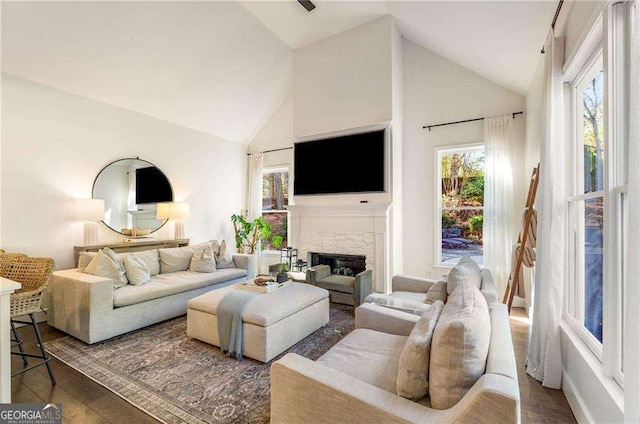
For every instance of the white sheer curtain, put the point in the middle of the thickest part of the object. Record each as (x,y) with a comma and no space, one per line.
(497,231)
(254,186)
(632,324)
(544,361)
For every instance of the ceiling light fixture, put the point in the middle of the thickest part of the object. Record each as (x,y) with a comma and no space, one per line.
(307,5)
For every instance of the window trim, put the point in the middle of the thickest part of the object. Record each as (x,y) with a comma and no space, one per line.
(616,52)
(607,34)
(478,145)
(270,170)
(575,238)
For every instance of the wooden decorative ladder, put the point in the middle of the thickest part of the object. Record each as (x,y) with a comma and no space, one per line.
(512,283)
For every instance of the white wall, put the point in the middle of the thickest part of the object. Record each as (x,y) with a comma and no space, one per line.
(437,90)
(206,65)
(397,243)
(54,143)
(575,23)
(277,132)
(344,81)
(593,397)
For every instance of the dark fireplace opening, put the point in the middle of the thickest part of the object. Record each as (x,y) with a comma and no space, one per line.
(339,263)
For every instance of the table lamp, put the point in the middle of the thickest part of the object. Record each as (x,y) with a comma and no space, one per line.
(176,211)
(90,211)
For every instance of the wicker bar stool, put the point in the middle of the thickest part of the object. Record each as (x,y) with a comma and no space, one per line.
(7,260)
(34,274)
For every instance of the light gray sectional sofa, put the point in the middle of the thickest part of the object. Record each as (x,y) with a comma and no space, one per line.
(90,309)
(355,381)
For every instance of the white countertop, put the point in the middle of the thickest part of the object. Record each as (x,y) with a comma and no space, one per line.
(8,286)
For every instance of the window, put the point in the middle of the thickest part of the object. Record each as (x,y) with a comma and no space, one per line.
(586,203)
(275,196)
(460,204)
(597,195)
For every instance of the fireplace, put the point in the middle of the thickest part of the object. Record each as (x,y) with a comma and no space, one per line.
(339,263)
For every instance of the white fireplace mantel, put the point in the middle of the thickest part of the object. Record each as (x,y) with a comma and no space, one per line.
(355,228)
(350,209)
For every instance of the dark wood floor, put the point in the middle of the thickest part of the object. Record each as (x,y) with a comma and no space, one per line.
(85,401)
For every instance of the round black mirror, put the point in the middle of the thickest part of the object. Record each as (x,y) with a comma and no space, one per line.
(131,190)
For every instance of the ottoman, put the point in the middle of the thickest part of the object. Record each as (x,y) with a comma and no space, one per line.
(272,322)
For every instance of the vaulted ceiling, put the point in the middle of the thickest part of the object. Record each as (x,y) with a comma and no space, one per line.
(500,40)
(224,67)
(204,65)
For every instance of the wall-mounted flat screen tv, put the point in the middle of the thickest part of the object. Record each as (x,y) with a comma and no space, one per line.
(346,164)
(152,186)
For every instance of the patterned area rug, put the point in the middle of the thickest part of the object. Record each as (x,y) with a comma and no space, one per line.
(177,379)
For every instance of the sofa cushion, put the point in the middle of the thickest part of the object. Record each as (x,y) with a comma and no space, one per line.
(367,355)
(84,259)
(339,283)
(460,346)
(175,259)
(137,270)
(118,260)
(223,253)
(413,367)
(465,271)
(415,297)
(149,257)
(438,291)
(488,288)
(397,303)
(162,285)
(203,260)
(103,265)
(268,309)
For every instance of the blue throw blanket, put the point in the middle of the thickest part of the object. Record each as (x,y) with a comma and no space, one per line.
(229,315)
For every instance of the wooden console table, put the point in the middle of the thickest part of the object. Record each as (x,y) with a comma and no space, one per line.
(133,246)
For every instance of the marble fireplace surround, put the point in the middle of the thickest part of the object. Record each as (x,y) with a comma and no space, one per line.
(356,229)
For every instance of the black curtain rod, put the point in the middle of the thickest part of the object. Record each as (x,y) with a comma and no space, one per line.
(555,19)
(272,150)
(513,115)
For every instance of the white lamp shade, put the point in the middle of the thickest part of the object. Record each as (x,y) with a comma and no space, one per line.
(88,210)
(172,210)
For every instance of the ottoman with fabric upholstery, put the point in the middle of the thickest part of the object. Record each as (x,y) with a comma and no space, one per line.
(272,322)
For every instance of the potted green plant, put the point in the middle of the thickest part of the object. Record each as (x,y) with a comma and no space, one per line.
(250,233)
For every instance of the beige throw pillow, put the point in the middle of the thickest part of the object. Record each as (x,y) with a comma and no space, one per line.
(459,347)
(203,261)
(113,255)
(84,259)
(137,270)
(413,368)
(465,271)
(224,256)
(150,258)
(175,259)
(104,266)
(437,291)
